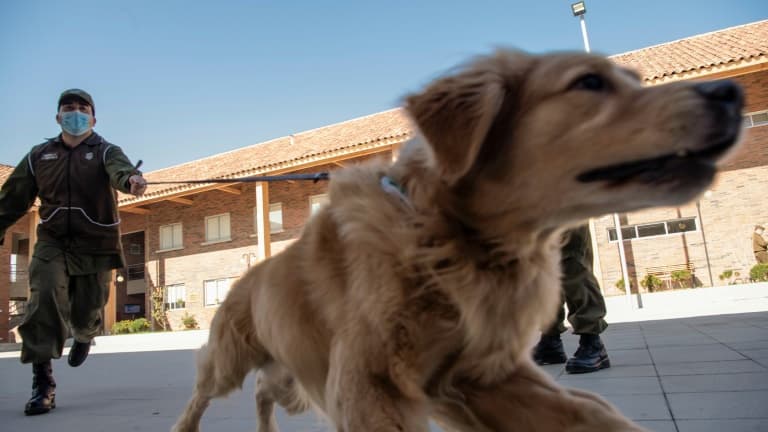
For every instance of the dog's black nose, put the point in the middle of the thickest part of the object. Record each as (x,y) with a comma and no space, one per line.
(723,91)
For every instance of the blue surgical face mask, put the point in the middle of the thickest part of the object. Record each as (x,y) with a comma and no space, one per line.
(75,123)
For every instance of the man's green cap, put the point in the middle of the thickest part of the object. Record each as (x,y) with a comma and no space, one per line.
(68,95)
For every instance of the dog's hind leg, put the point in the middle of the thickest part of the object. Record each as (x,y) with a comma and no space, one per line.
(222,365)
(265,407)
(275,384)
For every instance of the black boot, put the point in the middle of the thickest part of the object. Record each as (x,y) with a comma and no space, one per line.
(43,390)
(590,357)
(549,350)
(78,353)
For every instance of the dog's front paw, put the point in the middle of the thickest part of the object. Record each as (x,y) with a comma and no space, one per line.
(183,426)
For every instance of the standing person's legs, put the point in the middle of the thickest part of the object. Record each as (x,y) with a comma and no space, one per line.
(44,329)
(87,294)
(550,349)
(586,310)
(586,306)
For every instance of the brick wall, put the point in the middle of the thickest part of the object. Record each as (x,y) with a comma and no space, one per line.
(729,210)
(20,228)
(5,287)
(197,262)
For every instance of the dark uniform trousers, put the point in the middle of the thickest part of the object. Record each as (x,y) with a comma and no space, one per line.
(580,289)
(58,302)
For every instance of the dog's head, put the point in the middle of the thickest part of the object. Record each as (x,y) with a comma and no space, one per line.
(558,138)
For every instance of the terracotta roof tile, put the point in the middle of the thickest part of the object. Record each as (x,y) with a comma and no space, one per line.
(748,42)
(5,172)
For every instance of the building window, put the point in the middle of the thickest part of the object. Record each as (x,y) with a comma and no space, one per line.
(681,225)
(316,202)
(134,249)
(275,218)
(215,291)
(754,119)
(170,236)
(217,228)
(650,230)
(14,268)
(175,297)
(655,229)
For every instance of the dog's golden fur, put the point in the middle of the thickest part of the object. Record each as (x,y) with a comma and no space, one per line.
(392,308)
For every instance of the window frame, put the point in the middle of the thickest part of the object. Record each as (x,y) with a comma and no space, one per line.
(208,239)
(167,295)
(665,223)
(272,206)
(217,281)
(750,116)
(173,245)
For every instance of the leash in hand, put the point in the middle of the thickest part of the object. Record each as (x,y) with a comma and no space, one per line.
(314,177)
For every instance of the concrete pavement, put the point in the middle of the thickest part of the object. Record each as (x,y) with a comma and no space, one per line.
(695,371)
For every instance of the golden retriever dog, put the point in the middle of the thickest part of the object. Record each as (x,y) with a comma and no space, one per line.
(420,290)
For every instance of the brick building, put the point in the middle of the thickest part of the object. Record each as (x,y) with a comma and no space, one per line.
(189,241)
(714,234)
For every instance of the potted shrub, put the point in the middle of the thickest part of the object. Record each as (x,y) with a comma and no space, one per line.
(189,321)
(651,283)
(682,276)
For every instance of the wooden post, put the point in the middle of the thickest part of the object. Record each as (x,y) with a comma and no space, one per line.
(110,309)
(262,220)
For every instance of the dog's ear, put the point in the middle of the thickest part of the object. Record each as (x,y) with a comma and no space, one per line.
(455,113)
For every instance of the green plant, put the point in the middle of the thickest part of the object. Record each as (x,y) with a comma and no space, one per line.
(728,276)
(621,286)
(759,273)
(680,276)
(131,326)
(189,321)
(139,325)
(122,327)
(651,283)
(157,299)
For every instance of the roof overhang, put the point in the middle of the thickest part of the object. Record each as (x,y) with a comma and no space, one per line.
(131,204)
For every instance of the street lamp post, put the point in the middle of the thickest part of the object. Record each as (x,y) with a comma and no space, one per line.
(579,9)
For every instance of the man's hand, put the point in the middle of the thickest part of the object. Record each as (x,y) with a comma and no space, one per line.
(138,185)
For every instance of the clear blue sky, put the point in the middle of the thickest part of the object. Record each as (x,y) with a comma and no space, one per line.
(178,80)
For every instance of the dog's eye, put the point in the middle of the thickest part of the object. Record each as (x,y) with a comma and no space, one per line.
(590,82)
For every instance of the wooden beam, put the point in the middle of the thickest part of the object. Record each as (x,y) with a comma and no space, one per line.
(230,190)
(181,200)
(110,308)
(262,220)
(135,210)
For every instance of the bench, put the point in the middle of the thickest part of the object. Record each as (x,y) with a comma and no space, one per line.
(665,272)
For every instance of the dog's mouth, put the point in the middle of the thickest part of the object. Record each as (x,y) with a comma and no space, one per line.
(684,163)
